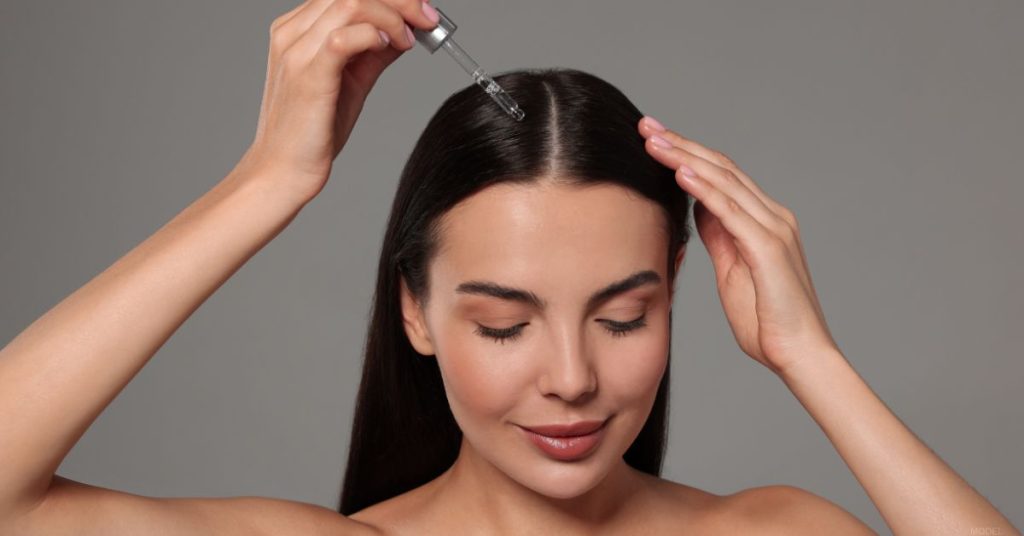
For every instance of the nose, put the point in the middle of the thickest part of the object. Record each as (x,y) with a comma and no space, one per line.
(569,372)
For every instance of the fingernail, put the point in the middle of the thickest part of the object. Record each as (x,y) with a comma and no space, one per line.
(660,142)
(431,13)
(687,170)
(384,38)
(655,123)
(408,33)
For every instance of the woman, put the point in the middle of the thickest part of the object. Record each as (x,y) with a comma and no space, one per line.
(517,361)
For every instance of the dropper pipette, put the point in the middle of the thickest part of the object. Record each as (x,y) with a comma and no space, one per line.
(441,37)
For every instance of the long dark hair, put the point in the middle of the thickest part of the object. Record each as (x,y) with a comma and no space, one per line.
(579,128)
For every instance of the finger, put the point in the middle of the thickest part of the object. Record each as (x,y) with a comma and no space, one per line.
(646,129)
(415,12)
(723,179)
(734,277)
(293,24)
(287,16)
(283,32)
(777,249)
(368,68)
(727,182)
(720,244)
(760,249)
(343,13)
(297,21)
(340,46)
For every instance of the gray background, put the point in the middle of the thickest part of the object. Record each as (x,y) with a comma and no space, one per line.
(893,131)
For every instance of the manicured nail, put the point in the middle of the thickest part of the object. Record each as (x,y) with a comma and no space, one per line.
(431,13)
(660,142)
(408,33)
(655,124)
(384,38)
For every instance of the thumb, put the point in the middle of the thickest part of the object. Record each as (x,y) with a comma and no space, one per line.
(715,236)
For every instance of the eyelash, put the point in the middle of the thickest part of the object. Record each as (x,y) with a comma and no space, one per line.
(616,329)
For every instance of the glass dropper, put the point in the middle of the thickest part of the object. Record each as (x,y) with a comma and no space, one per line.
(441,36)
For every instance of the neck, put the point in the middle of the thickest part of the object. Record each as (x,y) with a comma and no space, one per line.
(488,497)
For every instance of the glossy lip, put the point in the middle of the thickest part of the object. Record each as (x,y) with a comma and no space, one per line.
(566,430)
(575,441)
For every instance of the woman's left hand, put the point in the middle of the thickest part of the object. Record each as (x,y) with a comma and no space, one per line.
(754,245)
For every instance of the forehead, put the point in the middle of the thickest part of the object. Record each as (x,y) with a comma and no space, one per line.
(550,234)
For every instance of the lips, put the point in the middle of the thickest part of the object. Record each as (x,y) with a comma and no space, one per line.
(566,430)
(566,442)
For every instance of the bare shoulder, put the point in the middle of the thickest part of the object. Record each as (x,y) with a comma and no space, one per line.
(73,507)
(785,509)
(273,516)
(684,499)
(678,508)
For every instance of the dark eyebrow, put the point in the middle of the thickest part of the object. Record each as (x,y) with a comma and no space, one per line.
(488,288)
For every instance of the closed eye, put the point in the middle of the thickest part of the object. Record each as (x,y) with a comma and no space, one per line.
(616,329)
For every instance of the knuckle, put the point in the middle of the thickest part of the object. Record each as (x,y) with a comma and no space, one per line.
(406,9)
(398,20)
(723,159)
(348,6)
(732,206)
(276,24)
(776,245)
(278,42)
(409,6)
(784,231)
(337,40)
(789,217)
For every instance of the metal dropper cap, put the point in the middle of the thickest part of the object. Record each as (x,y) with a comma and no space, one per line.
(433,39)
(441,36)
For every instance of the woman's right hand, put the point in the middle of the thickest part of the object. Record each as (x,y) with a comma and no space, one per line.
(325,56)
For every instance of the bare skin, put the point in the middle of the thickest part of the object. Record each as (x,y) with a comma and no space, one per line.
(654,506)
(62,371)
(645,505)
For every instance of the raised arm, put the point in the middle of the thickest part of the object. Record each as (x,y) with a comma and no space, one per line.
(773,310)
(915,491)
(59,374)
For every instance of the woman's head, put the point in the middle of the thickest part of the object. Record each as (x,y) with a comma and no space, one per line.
(513,229)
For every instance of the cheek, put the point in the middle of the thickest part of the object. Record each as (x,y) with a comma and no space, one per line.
(632,370)
(480,377)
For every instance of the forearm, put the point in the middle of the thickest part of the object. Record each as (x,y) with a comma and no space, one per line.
(59,374)
(914,490)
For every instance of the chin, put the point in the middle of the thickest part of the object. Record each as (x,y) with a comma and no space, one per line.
(559,479)
(549,484)
(565,481)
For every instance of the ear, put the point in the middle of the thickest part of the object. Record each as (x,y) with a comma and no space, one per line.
(414,322)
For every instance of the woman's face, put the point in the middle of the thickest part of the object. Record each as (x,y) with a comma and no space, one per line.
(577,354)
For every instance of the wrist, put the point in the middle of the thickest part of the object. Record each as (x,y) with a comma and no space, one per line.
(815,364)
(271,181)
